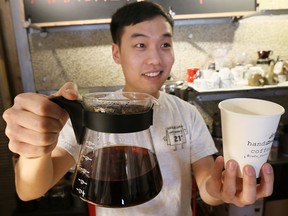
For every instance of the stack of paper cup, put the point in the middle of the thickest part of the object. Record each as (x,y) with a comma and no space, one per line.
(248,130)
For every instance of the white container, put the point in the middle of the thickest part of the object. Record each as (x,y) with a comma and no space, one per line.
(248,130)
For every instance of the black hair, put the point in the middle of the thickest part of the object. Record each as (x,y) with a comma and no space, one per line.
(134,13)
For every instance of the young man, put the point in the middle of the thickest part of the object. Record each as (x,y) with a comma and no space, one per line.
(142,44)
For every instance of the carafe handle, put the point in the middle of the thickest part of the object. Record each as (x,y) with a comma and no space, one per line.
(76,112)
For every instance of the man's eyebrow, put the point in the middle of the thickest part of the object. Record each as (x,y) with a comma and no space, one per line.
(143,35)
(168,35)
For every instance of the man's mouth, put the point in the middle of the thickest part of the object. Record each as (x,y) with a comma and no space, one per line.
(153,74)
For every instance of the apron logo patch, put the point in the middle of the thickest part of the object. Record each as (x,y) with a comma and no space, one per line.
(175,136)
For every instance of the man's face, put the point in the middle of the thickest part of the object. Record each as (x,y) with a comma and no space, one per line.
(146,55)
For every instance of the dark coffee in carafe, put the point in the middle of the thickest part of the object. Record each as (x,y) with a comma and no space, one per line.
(111,184)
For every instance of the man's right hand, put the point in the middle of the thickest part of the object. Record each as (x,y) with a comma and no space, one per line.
(34,122)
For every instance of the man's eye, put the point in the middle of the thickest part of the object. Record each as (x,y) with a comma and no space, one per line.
(140,45)
(166,45)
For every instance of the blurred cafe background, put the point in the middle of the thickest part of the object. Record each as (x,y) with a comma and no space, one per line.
(223,49)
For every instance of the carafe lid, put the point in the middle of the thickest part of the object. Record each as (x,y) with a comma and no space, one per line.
(109,112)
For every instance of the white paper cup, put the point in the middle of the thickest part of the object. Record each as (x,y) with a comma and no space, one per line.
(248,130)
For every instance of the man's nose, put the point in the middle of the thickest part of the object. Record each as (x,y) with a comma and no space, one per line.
(154,56)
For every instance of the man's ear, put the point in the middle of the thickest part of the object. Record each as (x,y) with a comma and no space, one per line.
(116,53)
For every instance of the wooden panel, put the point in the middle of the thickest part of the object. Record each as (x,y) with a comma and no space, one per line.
(9,53)
(7,187)
(5,93)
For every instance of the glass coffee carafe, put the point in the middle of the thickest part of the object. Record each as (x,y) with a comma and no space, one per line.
(117,165)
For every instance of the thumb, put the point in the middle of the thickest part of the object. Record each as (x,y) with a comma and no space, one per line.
(69,91)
